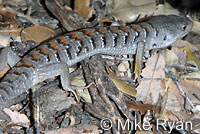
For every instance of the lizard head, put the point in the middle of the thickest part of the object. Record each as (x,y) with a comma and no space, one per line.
(169,28)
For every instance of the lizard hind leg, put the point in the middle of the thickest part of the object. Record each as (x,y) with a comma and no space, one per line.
(56,69)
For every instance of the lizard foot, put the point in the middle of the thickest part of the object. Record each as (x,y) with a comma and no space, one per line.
(73,89)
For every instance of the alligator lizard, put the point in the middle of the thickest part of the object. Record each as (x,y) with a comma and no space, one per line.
(54,57)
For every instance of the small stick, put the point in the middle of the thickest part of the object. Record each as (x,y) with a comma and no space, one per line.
(37,113)
(176,81)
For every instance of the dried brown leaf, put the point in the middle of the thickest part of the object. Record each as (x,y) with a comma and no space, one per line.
(57,100)
(148,91)
(191,56)
(79,81)
(124,87)
(181,54)
(4,71)
(175,100)
(123,66)
(182,43)
(84,129)
(168,115)
(15,3)
(17,118)
(63,131)
(186,52)
(144,132)
(82,8)
(121,85)
(170,57)
(131,10)
(13,32)
(5,40)
(166,9)
(37,33)
(196,27)
(192,75)
(8,18)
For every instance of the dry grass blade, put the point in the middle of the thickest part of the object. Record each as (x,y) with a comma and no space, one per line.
(121,85)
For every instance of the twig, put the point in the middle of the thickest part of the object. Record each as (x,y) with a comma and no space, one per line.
(8,31)
(193,79)
(23,15)
(176,81)
(132,81)
(116,58)
(181,67)
(37,113)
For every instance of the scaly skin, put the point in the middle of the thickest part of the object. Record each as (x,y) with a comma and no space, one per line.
(53,58)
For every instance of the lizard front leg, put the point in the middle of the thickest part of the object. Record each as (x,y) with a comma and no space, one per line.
(138,61)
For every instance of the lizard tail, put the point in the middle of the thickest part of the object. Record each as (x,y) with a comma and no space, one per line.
(14,83)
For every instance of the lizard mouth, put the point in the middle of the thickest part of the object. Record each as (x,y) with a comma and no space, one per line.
(184,34)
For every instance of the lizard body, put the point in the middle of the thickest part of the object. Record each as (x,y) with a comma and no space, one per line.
(54,57)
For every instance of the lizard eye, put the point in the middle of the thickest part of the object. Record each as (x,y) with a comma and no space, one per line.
(154,45)
(184,27)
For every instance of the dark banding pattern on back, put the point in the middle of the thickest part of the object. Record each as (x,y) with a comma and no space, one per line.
(156,30)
